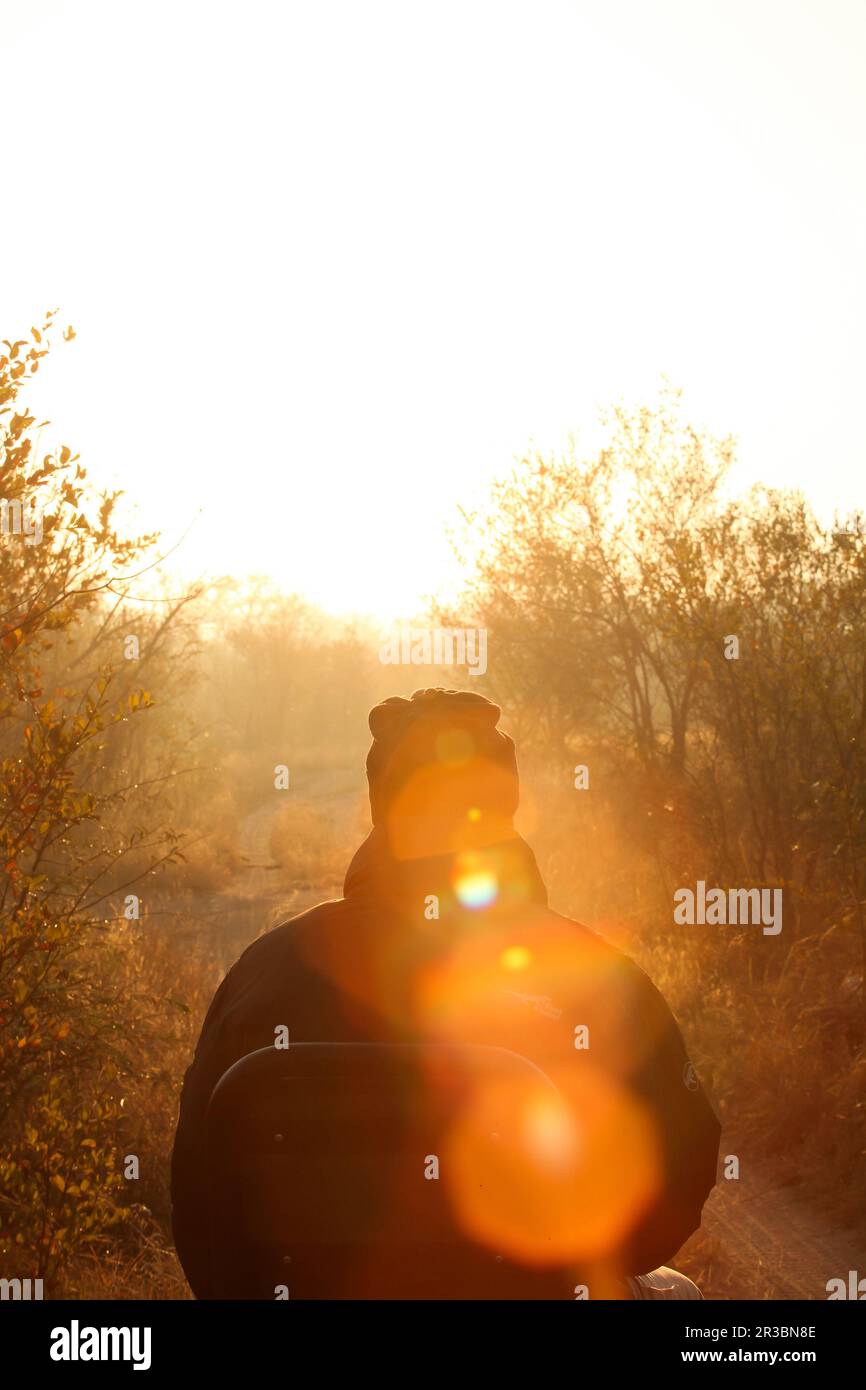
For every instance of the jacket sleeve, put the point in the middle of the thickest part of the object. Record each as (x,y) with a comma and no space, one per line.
(214,1054)
(687,1128)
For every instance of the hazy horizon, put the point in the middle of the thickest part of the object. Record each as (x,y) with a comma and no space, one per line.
(309,336)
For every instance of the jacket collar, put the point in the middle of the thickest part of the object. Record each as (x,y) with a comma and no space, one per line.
(500,876)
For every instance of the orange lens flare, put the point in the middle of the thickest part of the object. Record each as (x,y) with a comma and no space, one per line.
(476,888)
(551,1176)
(515,958)
(485,988)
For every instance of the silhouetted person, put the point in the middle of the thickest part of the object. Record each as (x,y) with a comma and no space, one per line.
(444,935)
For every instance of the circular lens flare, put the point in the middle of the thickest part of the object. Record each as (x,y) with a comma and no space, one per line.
(515,958)
(477,888)
(567,1177)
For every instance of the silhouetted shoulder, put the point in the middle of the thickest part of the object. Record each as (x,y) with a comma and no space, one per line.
(602,953)
(608,974)
(283,939)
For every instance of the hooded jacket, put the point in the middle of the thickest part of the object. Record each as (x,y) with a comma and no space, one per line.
(444,933)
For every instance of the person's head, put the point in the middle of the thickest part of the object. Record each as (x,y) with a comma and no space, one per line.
(443,779)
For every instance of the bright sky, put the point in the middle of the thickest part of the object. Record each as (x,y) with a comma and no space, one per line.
(331,265)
